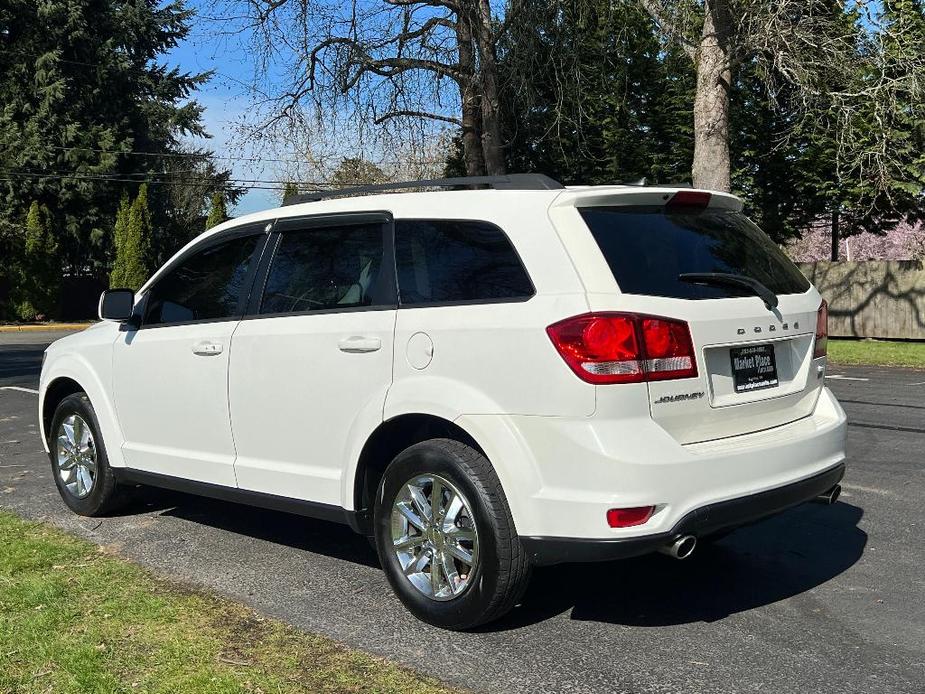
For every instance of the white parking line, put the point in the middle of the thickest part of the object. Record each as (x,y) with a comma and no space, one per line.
(21,389)
(839,377)
(920,383)
(870,490)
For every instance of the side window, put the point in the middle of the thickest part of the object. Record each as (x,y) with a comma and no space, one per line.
(443,261)
(206,286)
(323,268)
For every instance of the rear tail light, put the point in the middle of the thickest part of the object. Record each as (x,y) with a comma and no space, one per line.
(625,347)
(628,517)
(822,331)
(668,349)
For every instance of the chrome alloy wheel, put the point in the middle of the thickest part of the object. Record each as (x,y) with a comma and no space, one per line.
(434,537)
(76,455)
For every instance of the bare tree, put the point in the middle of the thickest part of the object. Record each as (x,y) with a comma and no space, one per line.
(303,153)
(384,63)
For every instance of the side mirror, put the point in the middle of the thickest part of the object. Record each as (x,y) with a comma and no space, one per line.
(117,304)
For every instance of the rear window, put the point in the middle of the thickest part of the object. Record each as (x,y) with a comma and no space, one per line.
(647,249)
(456,261)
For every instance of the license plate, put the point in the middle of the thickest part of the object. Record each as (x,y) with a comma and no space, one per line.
(753,368)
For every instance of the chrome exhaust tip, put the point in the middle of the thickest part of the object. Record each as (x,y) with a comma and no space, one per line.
(830,497)
(680,548)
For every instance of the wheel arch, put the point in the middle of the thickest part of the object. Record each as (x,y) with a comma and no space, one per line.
(389,439)
(71,373)
(494,436)
(55,392)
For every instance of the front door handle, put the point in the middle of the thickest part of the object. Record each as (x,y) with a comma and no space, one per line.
(207,348)
(358,344)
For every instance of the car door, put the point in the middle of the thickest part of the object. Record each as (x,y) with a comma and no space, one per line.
(312,361)
(170,375)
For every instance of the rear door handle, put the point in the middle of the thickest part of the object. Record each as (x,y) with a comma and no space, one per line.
(207,348)
(358,344)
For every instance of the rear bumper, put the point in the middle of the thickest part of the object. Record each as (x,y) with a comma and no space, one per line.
(562,474)
(712,518)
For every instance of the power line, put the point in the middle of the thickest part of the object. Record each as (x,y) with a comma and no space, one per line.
(203,185)
(36,57)
(222,157)
(178,155)
(164,178)
(12,176)
(152,178)
(250,184)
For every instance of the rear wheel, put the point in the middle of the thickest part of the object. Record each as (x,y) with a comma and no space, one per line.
(78,458)
(446,538)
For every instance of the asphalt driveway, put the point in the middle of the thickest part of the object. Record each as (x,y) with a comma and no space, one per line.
(817,599)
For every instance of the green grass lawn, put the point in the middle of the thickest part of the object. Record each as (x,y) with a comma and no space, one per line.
(76,619)
(877,352)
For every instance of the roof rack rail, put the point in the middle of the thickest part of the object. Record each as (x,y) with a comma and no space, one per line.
(508,182)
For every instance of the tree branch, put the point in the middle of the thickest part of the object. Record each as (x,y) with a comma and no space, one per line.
(449,4)
(416,114)
(670,27)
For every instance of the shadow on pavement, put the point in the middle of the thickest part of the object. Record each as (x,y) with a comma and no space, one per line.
(755,566)
(758,565)
(308,534)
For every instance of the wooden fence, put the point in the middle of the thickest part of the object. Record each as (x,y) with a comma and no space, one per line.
(873,298)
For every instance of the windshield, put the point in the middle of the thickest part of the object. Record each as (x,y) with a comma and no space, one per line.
(648,248)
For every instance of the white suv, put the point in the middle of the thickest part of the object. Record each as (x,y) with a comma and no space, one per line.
(482,380)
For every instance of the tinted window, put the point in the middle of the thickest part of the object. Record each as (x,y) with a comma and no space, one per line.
(446,261)
(206,286)
(325,268)
(647,249)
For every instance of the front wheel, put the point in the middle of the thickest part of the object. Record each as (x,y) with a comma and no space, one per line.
(78,459)
(446,537)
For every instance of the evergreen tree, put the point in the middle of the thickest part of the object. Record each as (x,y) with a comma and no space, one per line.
(776,166)
(290,190)
(356,171)
(119,232)
(135,249)
(218,213)
(37,289)
(191,182)
(592,96)
(82,92)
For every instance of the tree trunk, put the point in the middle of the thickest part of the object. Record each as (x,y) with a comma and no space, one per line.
(469,96)
(711,103)
(488,78)
(835,234)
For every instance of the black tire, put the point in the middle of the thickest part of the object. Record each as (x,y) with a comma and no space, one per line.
(105,494)
(502,570)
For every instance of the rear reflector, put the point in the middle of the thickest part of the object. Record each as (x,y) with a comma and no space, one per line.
(625,347)
(628,517)
(822,331)
(689,200)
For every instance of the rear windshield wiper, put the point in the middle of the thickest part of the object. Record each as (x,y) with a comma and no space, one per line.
(722,278)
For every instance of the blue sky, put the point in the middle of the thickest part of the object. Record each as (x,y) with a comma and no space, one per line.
(226,101)
(212,45)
